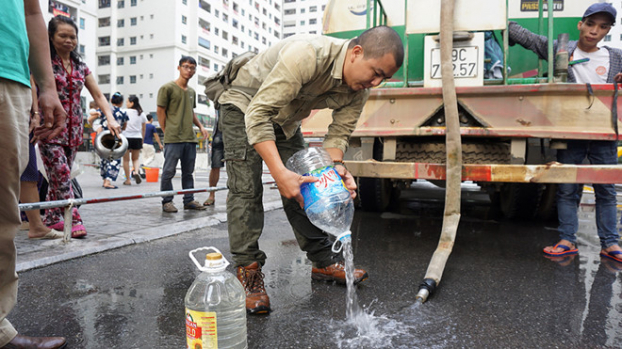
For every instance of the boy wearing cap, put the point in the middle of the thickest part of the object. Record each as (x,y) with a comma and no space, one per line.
(603,65)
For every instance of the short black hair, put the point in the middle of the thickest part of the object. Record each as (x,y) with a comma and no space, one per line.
(149,117)
(378,41)
(187,59)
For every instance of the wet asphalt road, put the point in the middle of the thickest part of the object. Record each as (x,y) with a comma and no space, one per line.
(498,291)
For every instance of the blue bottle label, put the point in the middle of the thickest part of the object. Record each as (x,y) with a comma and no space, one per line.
(329,183)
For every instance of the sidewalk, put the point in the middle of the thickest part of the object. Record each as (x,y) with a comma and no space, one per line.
(120,223)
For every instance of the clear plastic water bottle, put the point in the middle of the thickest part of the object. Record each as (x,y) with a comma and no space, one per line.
(327,202)
(215,306)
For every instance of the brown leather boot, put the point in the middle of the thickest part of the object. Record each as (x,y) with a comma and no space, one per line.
(337,273)
(24,342)
(251,277)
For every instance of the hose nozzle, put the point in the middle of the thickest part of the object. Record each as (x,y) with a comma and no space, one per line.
(425,289)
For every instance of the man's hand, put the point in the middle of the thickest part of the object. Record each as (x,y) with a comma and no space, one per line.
(289,184)
(54,116)
(618,77)
(205,133)
(348,180)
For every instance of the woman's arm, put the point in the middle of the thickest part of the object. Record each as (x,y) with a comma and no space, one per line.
(101,101)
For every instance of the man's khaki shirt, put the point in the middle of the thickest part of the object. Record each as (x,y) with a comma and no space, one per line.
(293,77)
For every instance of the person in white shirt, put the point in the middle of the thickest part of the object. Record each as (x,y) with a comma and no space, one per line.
(134,132)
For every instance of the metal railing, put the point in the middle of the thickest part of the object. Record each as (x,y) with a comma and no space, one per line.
(69,204)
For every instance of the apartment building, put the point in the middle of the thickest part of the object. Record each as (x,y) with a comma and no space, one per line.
(140,42)
(614,38)
(84,14)
(303,16)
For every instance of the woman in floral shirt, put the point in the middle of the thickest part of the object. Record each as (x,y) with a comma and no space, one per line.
(59,153)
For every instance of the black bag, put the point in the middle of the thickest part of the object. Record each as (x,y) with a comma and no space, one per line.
(218,83)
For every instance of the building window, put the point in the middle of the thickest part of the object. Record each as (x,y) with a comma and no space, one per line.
(83,23)
(133,3)
(104,41)
(81,50)
(205,25)
(119,80)
(133,21)
(185,2)
(215,67)
(225,52)
(217,31)
(132,79)
(120,61)
(607,38)
(312,8)
(104,79)
(183,39)
(204,43)
(234,40)
(225,35)
(290,11)
(103,60)
(217,13)
(225,18)
(205,6)
(313,21)
(151,76)
(184,19)
(120,41)
(204,62)
(104,3)
(103,22)
(120,23)
(302,22)
(216,49)
(234,23)
(120,4)
(133,40)
(132,59)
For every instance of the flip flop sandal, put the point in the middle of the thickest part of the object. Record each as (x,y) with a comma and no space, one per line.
(209,202)
(53,234)
(613,255)
(566,251)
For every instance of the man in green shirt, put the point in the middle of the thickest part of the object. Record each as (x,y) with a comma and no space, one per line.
(176,103)
(292,77)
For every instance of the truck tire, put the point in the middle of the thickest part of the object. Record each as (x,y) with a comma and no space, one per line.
(472,153)
(375,194)
(547,211)
(518,200)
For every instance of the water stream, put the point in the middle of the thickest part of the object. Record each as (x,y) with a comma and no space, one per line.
(366,329)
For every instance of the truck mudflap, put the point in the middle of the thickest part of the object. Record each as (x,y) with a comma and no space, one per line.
(548,173)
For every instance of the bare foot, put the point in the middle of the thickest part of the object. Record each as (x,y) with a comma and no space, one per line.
(612,248)
(35,233)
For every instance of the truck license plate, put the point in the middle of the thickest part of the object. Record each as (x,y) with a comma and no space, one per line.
(464,60)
